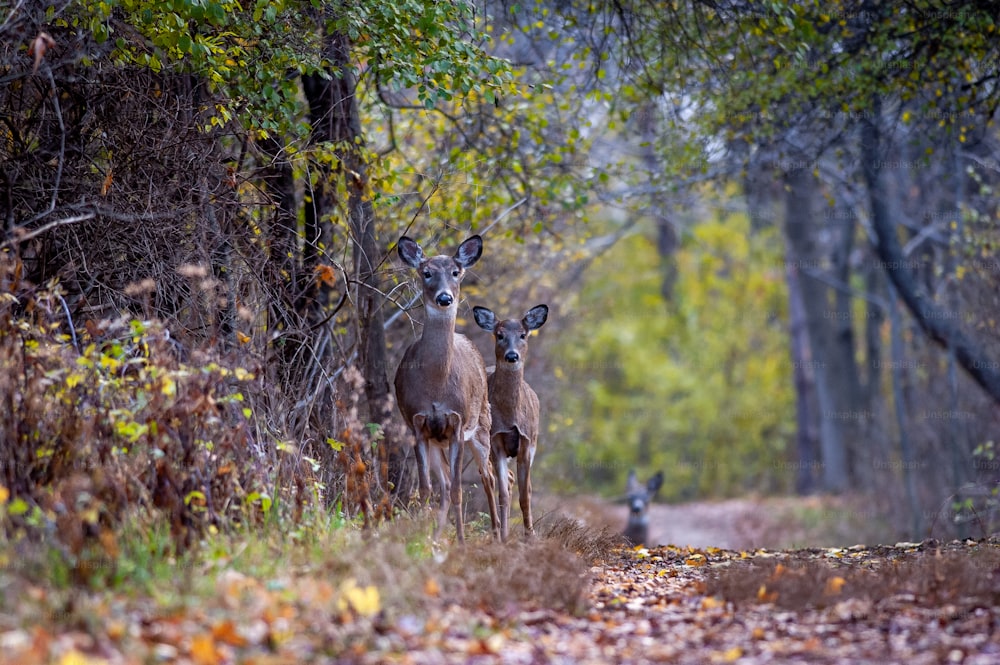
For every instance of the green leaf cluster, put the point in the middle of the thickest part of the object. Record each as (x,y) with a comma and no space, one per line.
(699,387)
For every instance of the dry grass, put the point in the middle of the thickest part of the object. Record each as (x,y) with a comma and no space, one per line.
(929,575)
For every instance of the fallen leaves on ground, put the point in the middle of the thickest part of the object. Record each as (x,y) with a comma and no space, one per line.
(911,603)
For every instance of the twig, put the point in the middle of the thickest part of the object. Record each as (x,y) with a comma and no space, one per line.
(11,14)
(69,321)
(24,237)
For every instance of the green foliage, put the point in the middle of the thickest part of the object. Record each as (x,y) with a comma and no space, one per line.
(699,387)
(756,70)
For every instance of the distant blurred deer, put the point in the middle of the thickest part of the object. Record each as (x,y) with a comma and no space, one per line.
(639,497)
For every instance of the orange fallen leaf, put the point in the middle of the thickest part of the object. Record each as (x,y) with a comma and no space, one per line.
(108,179)
(431,587)
(711,602)
(203,650)
(766,596)
(834,585)
(225,632)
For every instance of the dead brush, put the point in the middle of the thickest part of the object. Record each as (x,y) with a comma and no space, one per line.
(105,422)
(806,578)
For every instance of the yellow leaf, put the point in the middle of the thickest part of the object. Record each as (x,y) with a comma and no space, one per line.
(169,387)
(74,657)
(834,585)
(363,600)
(243,339)
(732,655)
(431,587)
(4,495)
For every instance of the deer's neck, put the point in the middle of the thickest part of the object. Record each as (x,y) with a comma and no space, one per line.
(437,345)
(506,388)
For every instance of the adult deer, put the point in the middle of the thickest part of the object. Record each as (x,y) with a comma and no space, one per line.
(515,408)
(639,497)
(441,383)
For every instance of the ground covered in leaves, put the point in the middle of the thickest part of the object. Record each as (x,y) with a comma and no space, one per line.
(566,597)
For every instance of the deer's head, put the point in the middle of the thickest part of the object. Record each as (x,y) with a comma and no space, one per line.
(441,276)
(639,497)
(511,336)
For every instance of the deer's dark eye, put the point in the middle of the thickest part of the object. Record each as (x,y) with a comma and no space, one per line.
(455,273)
(427,274)
(523,335)
(499,337)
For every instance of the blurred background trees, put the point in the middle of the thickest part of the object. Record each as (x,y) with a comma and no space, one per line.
(766,231)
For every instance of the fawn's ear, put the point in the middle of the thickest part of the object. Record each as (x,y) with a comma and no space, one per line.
(485,319)
(535,318)
(469,251)
(632,484)
(410,252)
(654,484)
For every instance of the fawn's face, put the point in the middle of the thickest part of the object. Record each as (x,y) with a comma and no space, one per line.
(511,347)
(639,496)
(511,336)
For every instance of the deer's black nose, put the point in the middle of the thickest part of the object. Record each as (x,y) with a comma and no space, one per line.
(444,299)
(637,506)
(512,357)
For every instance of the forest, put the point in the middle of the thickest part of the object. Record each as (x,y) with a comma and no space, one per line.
(766,233)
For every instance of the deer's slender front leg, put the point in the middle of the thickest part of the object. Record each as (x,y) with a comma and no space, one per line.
(500,473)
(525,453)
(420,452)
(455,462)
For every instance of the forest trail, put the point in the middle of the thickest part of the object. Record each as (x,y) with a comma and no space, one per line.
(718,594)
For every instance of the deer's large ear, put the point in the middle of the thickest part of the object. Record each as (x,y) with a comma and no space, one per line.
(655,483)
(485,319)
(410,252)
(535,318)
(632,484)
(469,251)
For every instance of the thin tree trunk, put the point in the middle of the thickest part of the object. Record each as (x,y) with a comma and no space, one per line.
(666,233)
(805,386)
(937,323)
(899,407)
(333,102)
(800,231)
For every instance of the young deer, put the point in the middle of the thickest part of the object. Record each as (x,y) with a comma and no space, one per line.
(515,408)
(639,497)
(441,383)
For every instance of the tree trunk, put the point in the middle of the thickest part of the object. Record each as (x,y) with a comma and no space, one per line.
(805,387)
(937,323)
(666,233)
(907,456)
(334,111)
(800,228)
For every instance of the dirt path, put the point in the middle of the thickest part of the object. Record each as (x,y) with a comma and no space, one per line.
(727,524)
(732,524)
